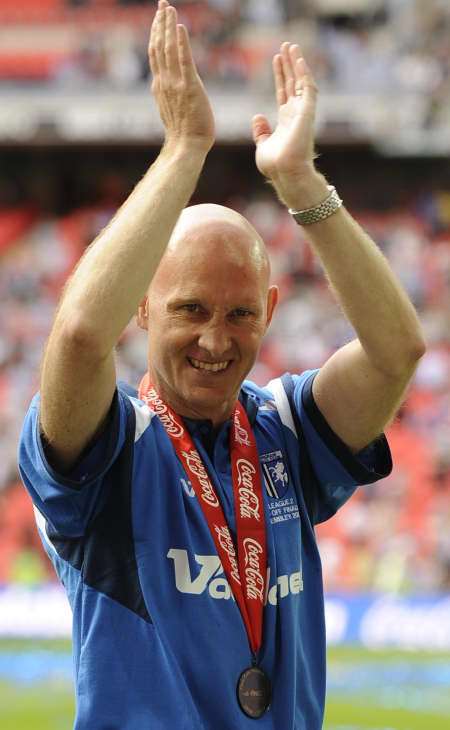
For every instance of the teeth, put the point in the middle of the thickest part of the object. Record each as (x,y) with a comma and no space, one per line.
(212,366)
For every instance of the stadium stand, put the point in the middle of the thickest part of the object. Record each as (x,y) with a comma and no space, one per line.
(352,46)
(392,536)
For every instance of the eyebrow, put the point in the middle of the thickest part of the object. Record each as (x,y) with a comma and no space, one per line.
(173,303)
(196,299)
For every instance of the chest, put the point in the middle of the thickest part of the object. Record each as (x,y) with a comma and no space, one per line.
(169,522)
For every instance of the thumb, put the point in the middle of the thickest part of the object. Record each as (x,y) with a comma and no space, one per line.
(261,129)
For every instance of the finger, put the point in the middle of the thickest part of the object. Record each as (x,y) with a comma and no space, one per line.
(261,128)
(160,38)
(278,76)
(153,65)
(304,80)
(186,61)
(152,56)
(288,71)
(295,55)
(154,29)
(170,42)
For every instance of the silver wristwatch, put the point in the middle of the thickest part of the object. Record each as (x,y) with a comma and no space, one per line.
(319,212)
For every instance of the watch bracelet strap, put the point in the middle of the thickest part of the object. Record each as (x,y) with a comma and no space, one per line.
(319,212)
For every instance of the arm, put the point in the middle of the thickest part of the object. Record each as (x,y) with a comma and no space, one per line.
(360,388)
(78,374)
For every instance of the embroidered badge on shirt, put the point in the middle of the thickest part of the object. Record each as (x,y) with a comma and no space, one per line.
(282,503)
(275,474)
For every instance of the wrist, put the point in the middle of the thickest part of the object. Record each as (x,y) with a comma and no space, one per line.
(320,212)
(304,189)
(194,149)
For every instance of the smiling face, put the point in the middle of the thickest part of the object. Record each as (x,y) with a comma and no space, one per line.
(206,312)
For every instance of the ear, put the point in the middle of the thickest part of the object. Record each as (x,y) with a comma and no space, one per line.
(272,300)
(142,314)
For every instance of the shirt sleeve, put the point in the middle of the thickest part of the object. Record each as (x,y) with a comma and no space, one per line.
(70,501)
(337,470)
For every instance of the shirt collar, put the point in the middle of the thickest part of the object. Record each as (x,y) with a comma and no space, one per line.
(204,426)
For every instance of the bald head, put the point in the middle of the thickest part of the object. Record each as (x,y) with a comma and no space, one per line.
(219,230)
(211,246)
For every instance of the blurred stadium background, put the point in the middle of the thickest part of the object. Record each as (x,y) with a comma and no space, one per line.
(77,130)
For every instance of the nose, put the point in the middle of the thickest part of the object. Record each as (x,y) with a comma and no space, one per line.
(214,339)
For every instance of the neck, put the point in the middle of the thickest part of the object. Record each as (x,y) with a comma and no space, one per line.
(217,414)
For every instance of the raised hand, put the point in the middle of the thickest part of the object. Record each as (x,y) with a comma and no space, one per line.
(288,151)
(179,92)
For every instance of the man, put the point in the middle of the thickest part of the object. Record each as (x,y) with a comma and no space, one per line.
(181,521)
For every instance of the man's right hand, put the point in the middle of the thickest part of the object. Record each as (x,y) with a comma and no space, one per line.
(179,92)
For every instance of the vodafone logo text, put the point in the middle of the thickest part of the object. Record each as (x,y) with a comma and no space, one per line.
(207,577)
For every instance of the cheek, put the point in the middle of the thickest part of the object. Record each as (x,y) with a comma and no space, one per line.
(168,340)
(250,340)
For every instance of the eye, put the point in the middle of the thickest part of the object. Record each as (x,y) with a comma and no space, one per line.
(190,307)
(241,312)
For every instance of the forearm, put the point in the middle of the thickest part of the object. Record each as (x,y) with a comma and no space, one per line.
(78,377)
(369,293)
(366,288)
(114,274)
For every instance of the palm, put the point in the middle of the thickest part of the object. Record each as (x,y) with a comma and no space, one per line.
(291,142)
(290,145)
(183,103)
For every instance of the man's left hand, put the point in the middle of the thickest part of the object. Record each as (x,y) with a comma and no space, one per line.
(286,155)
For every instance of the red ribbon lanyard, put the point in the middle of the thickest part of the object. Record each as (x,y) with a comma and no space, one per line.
(246,571)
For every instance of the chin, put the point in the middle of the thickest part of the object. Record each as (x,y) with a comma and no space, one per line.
(209,405)
(202,400)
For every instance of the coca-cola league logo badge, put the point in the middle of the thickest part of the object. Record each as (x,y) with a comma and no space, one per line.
(168,420)
(253,570)
(249,504)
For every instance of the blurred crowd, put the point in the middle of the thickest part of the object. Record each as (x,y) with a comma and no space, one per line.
(390,47)
(393,536)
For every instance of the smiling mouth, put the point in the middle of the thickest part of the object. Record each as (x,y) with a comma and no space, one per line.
(210,367)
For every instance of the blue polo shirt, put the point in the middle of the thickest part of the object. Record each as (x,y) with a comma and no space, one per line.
(158,639)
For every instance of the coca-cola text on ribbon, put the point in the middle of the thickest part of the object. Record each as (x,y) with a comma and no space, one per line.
(172,426)
(253,570)
(195,465)
(227,544)
(249,503)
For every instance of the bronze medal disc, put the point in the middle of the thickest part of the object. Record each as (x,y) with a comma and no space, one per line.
(254,692)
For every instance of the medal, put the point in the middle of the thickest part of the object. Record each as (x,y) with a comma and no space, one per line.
(244,564)
(254,692)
